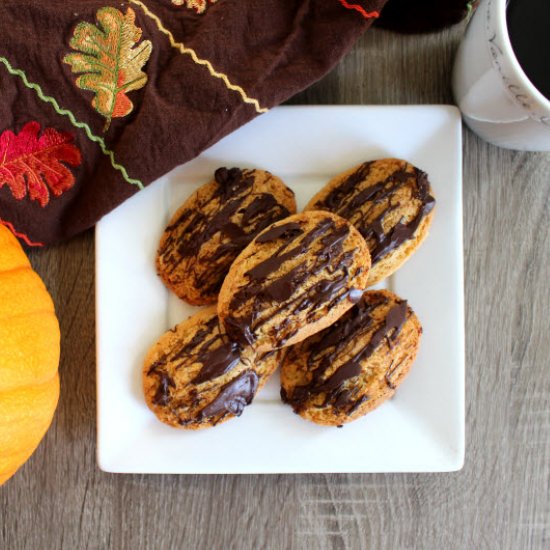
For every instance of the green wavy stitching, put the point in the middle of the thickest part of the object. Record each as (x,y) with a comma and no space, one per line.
(64,112)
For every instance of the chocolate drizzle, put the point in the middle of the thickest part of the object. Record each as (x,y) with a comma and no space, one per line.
(356,404)
(208,347)
(228,220)
(217,362)
(325,349)
(269,292)
(388,377)
(367,208)
(233,397)
(162,395)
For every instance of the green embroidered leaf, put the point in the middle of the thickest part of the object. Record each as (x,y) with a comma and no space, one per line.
(109,60)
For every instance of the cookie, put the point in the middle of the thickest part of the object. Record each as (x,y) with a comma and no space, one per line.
(214,225)
(195,377)
(348,369)
(390,202)
(294,279)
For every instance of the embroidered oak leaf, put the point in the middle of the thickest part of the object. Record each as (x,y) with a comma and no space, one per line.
(109,60)
(34,165)
(198,5)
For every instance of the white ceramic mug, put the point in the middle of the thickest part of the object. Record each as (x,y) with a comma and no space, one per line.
(497,100)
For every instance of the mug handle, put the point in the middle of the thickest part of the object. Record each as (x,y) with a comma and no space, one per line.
(487,100)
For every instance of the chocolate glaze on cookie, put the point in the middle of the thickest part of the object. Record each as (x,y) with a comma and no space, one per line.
(326,347)
(350,367)
(278,284)
(195,376)
(368,207)
(209,347)
(211,229)
(233,397)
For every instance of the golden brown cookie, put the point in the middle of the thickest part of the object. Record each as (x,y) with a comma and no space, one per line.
(354,365)
(294,279)
(390,202)
(214,224)
(195,377)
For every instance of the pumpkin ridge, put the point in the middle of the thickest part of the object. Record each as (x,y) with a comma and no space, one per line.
(22,292)
(39,334)
(38,390)
(43,382)
(17,315)
(12,269)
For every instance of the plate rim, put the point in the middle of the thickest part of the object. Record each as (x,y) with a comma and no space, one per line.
(455,461)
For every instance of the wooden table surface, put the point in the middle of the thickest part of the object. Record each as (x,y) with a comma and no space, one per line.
(501,499)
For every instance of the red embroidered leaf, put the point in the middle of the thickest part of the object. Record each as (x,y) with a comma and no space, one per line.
(33,165)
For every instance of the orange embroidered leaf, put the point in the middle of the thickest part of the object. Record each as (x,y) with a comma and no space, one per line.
(109,60)
(198,5)
(33,165)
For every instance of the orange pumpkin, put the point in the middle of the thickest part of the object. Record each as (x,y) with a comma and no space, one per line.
(29,357)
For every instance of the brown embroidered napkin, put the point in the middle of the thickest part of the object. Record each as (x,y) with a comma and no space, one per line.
(100,98)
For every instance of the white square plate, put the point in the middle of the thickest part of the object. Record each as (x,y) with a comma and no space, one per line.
(420,430)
